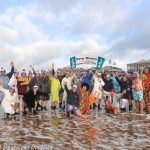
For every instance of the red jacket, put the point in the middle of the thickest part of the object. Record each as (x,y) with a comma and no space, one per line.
(148,79)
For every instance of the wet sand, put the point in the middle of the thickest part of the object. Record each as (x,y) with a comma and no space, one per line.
(99,131)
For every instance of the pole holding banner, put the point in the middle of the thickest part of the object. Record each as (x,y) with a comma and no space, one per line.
(100,62)
(73,62)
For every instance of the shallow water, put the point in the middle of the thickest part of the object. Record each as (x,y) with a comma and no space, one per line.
(99,131)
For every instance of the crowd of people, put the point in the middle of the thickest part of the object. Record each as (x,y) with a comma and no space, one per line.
(74,91)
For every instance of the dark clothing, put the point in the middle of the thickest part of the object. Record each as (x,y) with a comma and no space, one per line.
(34,81)
(130,86)
(44,84)
(29,99)
(44,88)
(125,85)
(108,85)
(60,79)
(72,97)
(21,88)
(10,73)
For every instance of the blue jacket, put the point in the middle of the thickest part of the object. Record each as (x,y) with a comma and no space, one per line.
(116,84)
(5,79)
(87,80)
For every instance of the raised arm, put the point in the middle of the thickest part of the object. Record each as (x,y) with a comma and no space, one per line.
(66,88)
(102,82)
(34,72)
(12,70)
(52,69)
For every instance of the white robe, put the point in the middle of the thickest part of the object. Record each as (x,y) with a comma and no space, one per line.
(98,84)
(8,101)
(13,82)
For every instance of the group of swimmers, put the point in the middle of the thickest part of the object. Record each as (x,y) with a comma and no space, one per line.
(72,90)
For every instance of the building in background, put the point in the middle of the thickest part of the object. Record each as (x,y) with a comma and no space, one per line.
(137,65)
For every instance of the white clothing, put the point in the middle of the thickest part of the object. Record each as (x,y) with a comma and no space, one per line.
(98,84)
(8,101)
(13,82)
(69,85)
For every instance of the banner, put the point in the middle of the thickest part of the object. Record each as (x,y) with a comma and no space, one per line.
(100,62)
(86,61)
(73,62)
(82,62)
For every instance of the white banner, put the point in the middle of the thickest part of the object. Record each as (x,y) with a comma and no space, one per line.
(86,61)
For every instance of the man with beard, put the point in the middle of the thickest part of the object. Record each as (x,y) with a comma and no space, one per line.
(44,89)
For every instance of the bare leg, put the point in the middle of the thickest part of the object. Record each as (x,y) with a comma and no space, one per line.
(21,102)
(136,105)
(35,106)
(78,113)
(46,101)
(141,106)
(42,103)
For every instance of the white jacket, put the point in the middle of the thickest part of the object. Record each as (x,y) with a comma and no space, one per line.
(98,83)
(13,82)
(69,81)
(8,101)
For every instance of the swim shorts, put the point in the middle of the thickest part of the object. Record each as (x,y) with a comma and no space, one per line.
(138,95)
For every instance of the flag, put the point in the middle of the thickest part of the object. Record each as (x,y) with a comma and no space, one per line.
(100,62)
(73,62)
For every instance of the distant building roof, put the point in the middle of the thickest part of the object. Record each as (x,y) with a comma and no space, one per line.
(140,62)
(109,68)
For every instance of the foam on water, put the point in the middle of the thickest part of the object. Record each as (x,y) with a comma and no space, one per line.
(98,131)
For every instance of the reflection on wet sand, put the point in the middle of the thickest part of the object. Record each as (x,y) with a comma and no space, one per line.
(98,131)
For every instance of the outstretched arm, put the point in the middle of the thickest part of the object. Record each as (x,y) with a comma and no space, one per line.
(12,70)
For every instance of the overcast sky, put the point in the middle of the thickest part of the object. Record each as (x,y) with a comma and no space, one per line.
(40,32)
